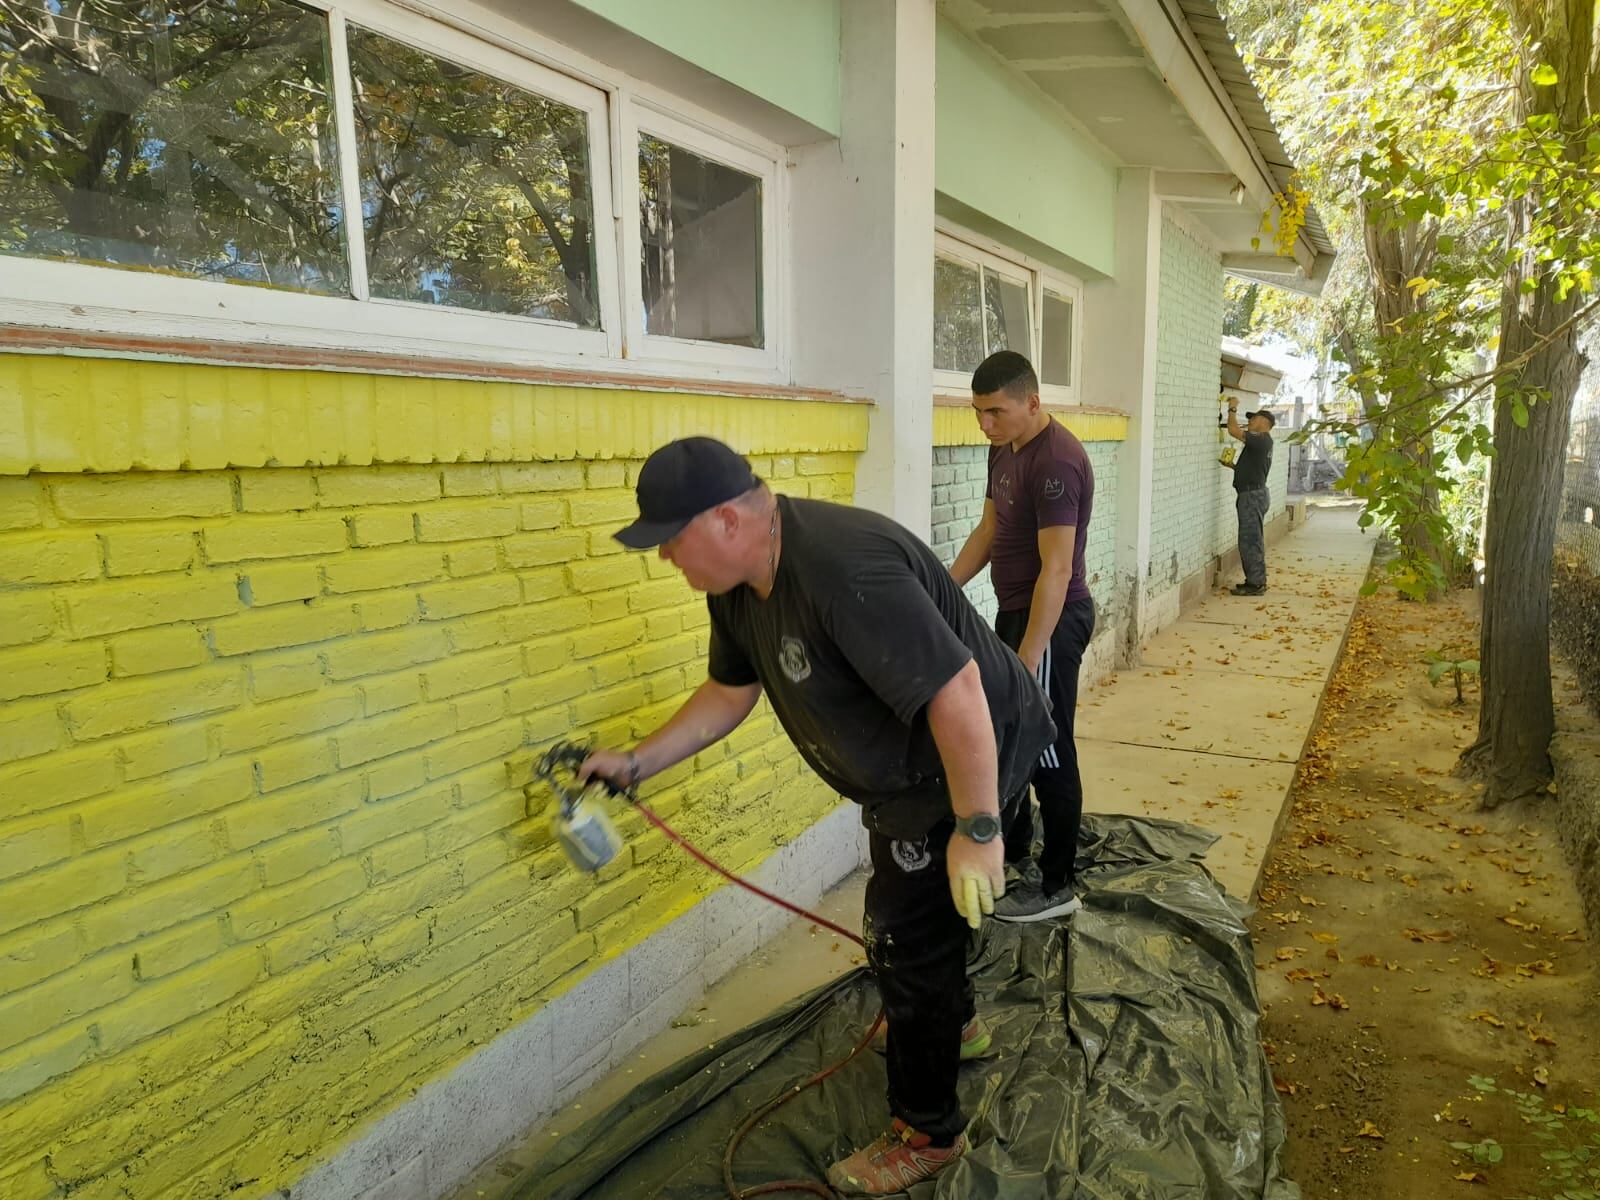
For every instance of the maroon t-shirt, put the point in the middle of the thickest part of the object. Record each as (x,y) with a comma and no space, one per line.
(1050,481)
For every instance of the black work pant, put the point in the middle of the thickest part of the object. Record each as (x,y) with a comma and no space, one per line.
(1056,782)
(917,948)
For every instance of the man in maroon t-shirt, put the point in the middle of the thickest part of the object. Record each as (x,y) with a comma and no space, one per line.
(1032,535)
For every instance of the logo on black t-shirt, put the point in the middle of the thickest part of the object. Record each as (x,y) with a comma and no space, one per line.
(792,657)
(911,856)
(1053,488)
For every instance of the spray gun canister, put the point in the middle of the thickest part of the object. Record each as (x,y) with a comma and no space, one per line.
(582,828)
(588,836)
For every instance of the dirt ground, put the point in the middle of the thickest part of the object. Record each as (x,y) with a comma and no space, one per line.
(1407,941)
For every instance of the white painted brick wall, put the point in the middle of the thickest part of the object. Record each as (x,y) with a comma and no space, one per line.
(1191,519)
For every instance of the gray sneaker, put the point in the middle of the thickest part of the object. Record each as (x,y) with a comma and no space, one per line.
(1030,902)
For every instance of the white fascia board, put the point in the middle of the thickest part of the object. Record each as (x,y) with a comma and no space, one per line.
(1175,52)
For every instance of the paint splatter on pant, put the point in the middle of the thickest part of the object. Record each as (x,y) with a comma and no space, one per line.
(917,947)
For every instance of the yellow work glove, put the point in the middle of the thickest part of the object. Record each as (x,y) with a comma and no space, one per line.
(977,876)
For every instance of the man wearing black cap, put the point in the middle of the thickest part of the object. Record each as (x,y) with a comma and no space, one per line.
(1252,499)
(899,696)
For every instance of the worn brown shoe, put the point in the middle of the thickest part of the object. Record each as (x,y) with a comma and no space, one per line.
(898,1160)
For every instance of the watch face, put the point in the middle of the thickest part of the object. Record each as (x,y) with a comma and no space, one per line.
(983,828)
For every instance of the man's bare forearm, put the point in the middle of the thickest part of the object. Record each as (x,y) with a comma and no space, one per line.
(711,714)
(974,556)
(958,718)
(1044,613)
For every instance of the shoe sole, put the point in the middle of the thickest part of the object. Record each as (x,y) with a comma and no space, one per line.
(1065,909)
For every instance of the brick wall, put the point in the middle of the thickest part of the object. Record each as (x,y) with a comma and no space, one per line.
(960,475)
(266,865)
(1187,507)
(960,478)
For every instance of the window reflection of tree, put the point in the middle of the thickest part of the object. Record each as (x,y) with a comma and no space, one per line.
(189,136)
(475,193)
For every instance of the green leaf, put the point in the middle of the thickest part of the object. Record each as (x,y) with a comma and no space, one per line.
(1438,671)
(1544,75)
(1468,666)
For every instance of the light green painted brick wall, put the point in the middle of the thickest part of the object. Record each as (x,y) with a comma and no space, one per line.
(1186,496)
(959,475)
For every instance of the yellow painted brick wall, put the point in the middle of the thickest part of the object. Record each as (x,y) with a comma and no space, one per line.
(265,864)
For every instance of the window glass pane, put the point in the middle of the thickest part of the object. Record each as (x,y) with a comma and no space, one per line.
(187,137)
(957,317)
(1056,355)
(700,228)
(474,194)
(1005,314)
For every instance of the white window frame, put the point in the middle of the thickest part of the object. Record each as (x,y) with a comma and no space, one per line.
(149,305)
(639,118)
(1063,287)
(961,245)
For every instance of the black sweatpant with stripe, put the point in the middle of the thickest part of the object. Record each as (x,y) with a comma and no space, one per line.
(1056,784)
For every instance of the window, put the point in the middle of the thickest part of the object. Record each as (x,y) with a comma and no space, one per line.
(957,316)
(704,245)
(1055,358)
(700,233)
(195,141)
(986,300)
(383,181)
(474,193)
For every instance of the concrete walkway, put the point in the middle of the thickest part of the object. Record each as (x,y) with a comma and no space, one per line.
(1208,730)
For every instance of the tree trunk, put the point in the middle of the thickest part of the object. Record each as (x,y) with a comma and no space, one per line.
(1517,717)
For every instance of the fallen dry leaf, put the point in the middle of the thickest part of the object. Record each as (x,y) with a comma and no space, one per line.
(1487,1017)
(1326,937)
(1369,1130)
(1471,1177)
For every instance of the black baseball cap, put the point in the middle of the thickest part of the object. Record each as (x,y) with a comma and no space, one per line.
(679,482)
(1261,412)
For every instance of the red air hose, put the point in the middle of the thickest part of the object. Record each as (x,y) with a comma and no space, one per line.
(762,1113)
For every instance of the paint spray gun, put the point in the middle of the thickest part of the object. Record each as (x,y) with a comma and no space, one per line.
(581,825)
(1228,454)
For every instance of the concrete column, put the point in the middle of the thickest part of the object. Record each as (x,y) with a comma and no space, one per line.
(1119,369)
(863,250)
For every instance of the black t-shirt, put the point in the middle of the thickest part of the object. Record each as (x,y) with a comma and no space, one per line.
(1254,462)
(862,628)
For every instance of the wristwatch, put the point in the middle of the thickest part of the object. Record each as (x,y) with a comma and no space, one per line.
(984,827)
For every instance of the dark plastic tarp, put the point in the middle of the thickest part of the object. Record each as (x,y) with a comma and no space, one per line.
(1128,1064)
